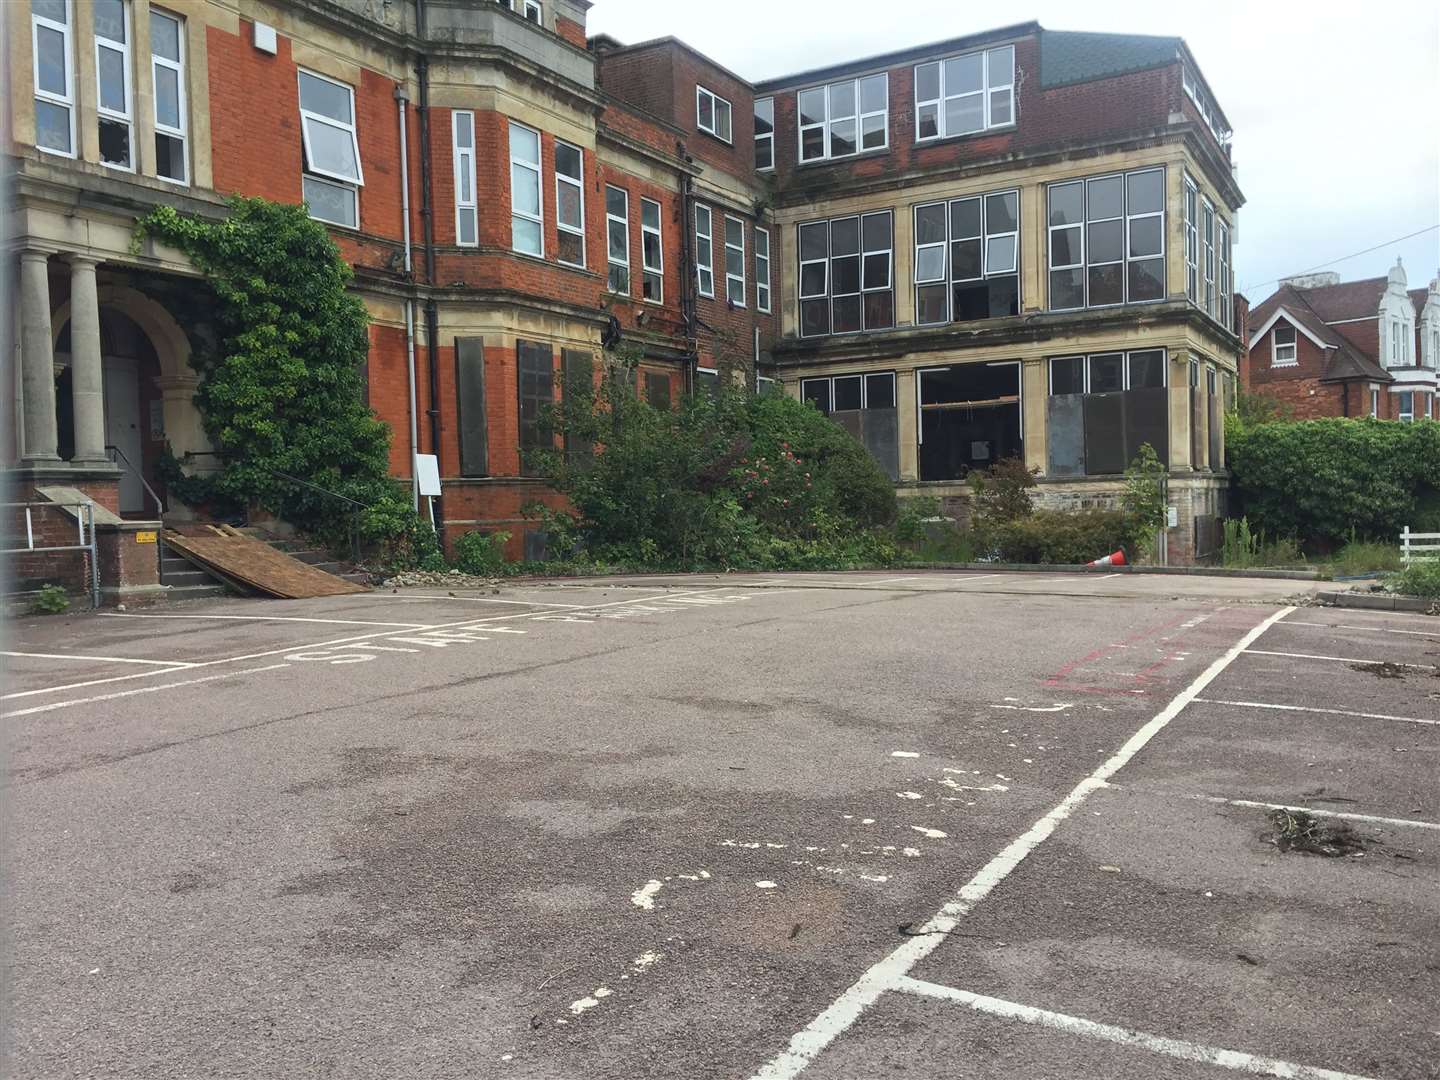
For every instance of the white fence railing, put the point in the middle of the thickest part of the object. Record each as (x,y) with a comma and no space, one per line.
(1415,545)
(47,539)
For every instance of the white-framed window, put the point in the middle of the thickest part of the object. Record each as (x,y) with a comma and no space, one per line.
(712,113)
(764,134)
(735,261)
(1107,240)
(762,270)
(115,83)
(617,244)
(1192,241)
(167,67)
(52,47)
(965,94)
(652,253)
(966,264)
(1374,402)
(1207,109)
(570,203)
(1226,307)
(844,118)
(849,393)
(1397,343)
(1207,241)
(1405,400)
(333,175)
(847,280)
(1111,373)
(462,132)
(1283,345)
(528,9)
(704,251)
(527,222)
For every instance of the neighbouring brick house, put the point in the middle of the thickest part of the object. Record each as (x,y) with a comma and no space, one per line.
(1017,242)
(1323,347)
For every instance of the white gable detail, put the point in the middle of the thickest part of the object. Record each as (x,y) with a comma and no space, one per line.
(1281,313)
(1430,328)
(1397,321)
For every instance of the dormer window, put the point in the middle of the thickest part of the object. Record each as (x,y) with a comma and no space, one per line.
(1283,347)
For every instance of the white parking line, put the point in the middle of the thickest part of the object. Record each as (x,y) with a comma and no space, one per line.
(320,645)
(1074,1025)
(142,690)
(1336,659)
(1407,822)
(258,618)
(99,659)
(1354,626)
(885,975)
(471,599)
(1312,709)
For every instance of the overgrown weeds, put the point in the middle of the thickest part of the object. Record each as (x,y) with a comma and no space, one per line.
(1300,830)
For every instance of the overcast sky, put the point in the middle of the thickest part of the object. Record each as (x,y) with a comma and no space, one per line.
(1337,133)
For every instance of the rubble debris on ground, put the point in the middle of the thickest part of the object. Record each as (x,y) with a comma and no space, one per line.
(1299,830)
(452,579)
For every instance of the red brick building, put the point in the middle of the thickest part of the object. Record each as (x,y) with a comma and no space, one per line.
(1323,347)
(926,245)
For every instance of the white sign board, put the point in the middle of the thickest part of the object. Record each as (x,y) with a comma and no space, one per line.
(427,473)
(1172,516)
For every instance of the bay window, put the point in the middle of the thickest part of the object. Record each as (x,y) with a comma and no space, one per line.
(333,176)
(526,203)
(735,261)
(114,83)
(704,251)
(1405,402)
(847,275)
(966,258)
(844,118)
(570,203)
(462,125)
(652,253)
(1107,240)
(53,50)
(965,94)
(1226,307)
(617,231)
(1192,241)
(167,68)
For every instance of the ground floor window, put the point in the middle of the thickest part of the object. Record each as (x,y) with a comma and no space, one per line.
(969,418)
(1104,406)
(1406,406)
(864,405)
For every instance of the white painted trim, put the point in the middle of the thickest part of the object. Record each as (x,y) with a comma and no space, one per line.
(890,972)
(1259,335)
(1157,1044)
(1408,823)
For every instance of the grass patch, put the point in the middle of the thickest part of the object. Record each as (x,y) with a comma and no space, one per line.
(1364,557)
(1421,578)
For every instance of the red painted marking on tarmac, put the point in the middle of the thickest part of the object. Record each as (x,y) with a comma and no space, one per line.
(1061,677)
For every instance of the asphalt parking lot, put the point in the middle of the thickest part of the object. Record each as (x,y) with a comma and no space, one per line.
(839,826)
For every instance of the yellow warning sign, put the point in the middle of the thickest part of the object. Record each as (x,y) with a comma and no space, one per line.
(145,537)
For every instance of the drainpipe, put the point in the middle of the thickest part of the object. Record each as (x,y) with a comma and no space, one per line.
(401,100)
(427,222)
(687,270)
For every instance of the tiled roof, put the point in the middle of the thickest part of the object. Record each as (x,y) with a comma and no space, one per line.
(1351,299)
(1346,362)
(1072,57)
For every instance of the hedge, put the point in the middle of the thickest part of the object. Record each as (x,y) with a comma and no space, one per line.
(1323,481)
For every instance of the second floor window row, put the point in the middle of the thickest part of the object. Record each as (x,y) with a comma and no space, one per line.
(847,281)
(844,118)
(1107,240)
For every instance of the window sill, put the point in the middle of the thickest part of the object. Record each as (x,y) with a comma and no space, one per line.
(711,135)
(940,140)
(861,155)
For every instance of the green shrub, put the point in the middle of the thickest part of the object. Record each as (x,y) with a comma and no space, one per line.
(1421,578)
(1364,557)
(1001,493)
(50,600)
(1326,480)
(481,554)
(1063,537)
(913,517)
(726,479)
(1243,549)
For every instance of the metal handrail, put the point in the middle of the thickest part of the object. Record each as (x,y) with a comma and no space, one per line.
(86,524)
(159,502)
(360,507)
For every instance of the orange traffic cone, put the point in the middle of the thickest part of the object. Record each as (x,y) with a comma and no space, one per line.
(1117,558)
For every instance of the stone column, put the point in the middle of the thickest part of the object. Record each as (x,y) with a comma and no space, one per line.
(37,358)
(87,379)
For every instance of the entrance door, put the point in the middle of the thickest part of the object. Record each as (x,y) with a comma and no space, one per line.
(122,428)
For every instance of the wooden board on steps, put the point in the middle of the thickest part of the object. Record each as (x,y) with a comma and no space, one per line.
(254,565)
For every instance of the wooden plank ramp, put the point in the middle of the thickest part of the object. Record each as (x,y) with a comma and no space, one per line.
(254,566)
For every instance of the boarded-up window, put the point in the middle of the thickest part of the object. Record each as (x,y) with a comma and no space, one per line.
(1103,408)
(470,392)
(579,386)
(863,405)
(657,389)
(536,369)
